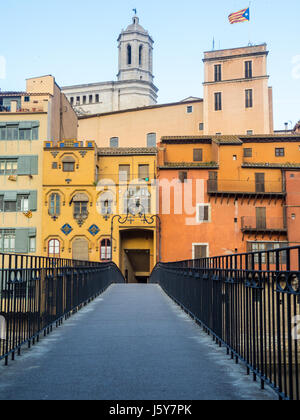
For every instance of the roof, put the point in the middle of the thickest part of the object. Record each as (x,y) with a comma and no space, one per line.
(126,151)
(232,139)
(286,165)
(122,111)
(189,165)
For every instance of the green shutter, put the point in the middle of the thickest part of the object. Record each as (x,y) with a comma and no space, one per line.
(24,163)
(33,201)
(27,165)
(10,195)
(22,241)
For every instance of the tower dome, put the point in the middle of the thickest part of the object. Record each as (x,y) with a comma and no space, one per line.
(135,53)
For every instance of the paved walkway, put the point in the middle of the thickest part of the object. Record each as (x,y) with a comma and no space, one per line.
(132,343)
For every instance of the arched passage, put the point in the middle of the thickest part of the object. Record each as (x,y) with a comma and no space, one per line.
(137,254)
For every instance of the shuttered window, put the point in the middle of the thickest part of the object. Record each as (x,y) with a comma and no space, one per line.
(151,140)
(124,173)
(203,213)
(144,172)
(18,201)
(200,251)
(198,155)
(19,130)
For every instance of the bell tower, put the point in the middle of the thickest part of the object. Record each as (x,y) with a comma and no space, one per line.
(135,53)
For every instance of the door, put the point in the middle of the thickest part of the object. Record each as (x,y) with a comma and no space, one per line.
(259,183)
(80,249)
(213,181)
(261,220)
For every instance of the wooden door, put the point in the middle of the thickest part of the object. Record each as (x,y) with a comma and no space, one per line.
(259,182)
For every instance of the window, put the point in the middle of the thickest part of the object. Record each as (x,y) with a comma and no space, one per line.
(201,126)
(105,203)
(218,101)
(114,142)
(105,250)
(8,166)
(249,98)
(249,132)
(68,163)
(54,248)
(26,99)
(279,151)
(23,130)
(198,155)
(151,140)
(23,203)
(54,204)
(97,98)
(189,109)
(247,152)
(267,246)
(78,100)
(7,240)
(84,100)
(80,208)
(259,182)
(203,213)
(124,173)
(144,172)
(10,206)
(140,55)
(200,251)
(248,69)
(54,165)
(91,99)
(218,72)
(72,100)
(182,176)
(128,54)
(32,244)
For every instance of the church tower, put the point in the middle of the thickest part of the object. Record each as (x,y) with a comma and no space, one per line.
(136,61)
(134,87)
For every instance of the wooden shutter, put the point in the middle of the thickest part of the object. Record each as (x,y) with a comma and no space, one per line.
(124,172)
(143,171)
(27,165)
(259,182)
(261,221)
(200,251)
(33,201)
(22,240)
(198,155)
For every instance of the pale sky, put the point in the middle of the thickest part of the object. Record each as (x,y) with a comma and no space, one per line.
(76,41)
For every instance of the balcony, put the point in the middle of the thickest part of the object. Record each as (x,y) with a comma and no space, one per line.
(245,188)
(270,225)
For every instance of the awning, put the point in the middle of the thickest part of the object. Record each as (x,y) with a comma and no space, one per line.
(80,197)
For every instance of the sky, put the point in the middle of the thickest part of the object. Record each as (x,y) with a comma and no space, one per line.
(76,42)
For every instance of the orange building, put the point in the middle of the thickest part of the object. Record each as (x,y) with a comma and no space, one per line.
(227,194)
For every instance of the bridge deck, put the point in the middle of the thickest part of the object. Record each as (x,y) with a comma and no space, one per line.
(132,343)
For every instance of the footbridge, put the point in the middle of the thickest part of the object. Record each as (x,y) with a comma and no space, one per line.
(221,328)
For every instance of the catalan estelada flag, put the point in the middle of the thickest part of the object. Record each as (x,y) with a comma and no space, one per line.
(241,16)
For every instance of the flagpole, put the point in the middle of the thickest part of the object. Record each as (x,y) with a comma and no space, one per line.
(250,21)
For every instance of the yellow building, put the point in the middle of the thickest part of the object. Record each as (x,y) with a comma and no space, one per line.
(27,119)
(100,205)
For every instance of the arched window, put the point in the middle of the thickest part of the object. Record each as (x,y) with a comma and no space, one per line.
(128,54)
(140,55)
(105,250)
(54,205)
(105,203)
(151,140)
(54,248)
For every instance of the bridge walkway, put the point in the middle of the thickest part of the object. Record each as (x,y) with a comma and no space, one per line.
(131,343)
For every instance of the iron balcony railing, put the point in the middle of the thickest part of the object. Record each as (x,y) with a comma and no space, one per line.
(270,224)
(37,292)
(250,303)
(250,187)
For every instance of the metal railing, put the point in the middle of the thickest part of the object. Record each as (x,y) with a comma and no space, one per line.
(252,223)
(38,292)
(250,303)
